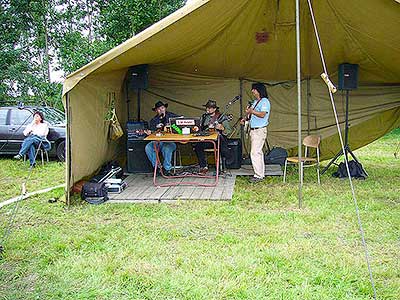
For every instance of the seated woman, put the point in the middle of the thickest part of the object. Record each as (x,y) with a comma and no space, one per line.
(36,134)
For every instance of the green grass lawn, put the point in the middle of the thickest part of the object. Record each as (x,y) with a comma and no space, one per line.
(258,246)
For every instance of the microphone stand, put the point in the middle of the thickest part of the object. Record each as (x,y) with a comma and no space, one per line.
(234,99)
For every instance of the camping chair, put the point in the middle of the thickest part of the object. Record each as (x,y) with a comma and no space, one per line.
(43,154)
(311,141)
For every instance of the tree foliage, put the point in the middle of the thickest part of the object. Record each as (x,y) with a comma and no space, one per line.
(41,36)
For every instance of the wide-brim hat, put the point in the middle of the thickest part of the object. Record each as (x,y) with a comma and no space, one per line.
(159,104)
(212,104)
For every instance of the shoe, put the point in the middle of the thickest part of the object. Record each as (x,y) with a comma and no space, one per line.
(167,172)
(33,166)
(203,171)
(255,179)
(18,156)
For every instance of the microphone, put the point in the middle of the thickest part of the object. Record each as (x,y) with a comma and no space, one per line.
(236,98)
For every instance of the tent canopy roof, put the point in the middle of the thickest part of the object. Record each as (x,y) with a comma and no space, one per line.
(216,48)
(256,39)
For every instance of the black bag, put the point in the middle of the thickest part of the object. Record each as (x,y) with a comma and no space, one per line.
(276,156)
(356,170)
(94,192)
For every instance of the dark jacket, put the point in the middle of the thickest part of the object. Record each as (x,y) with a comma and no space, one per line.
(206,120)
(158,120)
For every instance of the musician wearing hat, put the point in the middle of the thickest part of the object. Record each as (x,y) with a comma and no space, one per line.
(212,119)
(165,148)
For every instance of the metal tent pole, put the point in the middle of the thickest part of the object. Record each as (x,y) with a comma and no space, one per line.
(241,111)
(68,169)
(299,97)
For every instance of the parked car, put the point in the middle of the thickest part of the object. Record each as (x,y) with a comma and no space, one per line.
(14,119)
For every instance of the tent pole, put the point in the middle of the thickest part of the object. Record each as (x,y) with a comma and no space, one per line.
(241,110)
(299,97)
(68,150)
(308,105)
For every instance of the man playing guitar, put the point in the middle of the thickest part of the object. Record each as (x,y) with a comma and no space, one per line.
(209,121)
(258,114)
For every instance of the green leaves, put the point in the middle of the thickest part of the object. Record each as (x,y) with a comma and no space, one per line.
(41,36)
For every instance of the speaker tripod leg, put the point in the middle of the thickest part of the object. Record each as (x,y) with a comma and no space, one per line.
(355,159)
(340,153)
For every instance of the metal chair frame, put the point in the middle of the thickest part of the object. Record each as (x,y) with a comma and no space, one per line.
(43,153)
(310,141)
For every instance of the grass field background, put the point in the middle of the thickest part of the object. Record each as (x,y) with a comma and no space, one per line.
(260,245)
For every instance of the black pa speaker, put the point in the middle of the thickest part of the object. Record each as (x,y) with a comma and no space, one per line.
(348,76)
(234,161)
(137,77)
(137,161)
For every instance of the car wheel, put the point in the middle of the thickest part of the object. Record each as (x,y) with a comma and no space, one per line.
(60,151)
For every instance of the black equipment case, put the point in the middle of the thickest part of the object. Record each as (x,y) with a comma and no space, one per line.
(94,192)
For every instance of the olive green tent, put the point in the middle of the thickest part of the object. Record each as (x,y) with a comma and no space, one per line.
(217,48)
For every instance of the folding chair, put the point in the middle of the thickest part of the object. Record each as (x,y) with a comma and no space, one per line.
(43,154)
(310,141)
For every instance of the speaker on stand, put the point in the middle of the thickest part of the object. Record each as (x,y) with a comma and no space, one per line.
(348,80)
(137,79)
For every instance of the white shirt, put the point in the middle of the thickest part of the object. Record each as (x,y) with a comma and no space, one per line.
(41,129)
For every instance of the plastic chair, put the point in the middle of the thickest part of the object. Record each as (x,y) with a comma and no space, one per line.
(310,141)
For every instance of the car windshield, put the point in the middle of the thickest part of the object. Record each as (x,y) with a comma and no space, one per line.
(53,115)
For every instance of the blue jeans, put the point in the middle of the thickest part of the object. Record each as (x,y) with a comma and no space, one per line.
(166,148)
(29,144)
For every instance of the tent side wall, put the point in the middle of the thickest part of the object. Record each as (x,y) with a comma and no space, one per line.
(88,136)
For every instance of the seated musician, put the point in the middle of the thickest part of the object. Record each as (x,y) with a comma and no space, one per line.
(165,148)
(212,120)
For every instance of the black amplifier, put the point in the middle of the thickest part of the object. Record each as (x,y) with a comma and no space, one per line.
(234,161)
(136,130)
(137,161)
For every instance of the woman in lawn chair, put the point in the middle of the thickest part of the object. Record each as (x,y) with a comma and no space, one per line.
(36,137)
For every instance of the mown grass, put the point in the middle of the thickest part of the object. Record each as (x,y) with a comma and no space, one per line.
(258,246)
(14,173)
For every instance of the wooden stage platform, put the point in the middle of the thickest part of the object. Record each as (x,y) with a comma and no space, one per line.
(141,189)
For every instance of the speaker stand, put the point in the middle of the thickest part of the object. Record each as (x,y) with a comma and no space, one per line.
(346,147)
(139,90)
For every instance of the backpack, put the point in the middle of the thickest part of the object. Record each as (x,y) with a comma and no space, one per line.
(356,170)
(277,156)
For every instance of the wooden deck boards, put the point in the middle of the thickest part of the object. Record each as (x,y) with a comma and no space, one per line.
(141,189)
(247,170)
